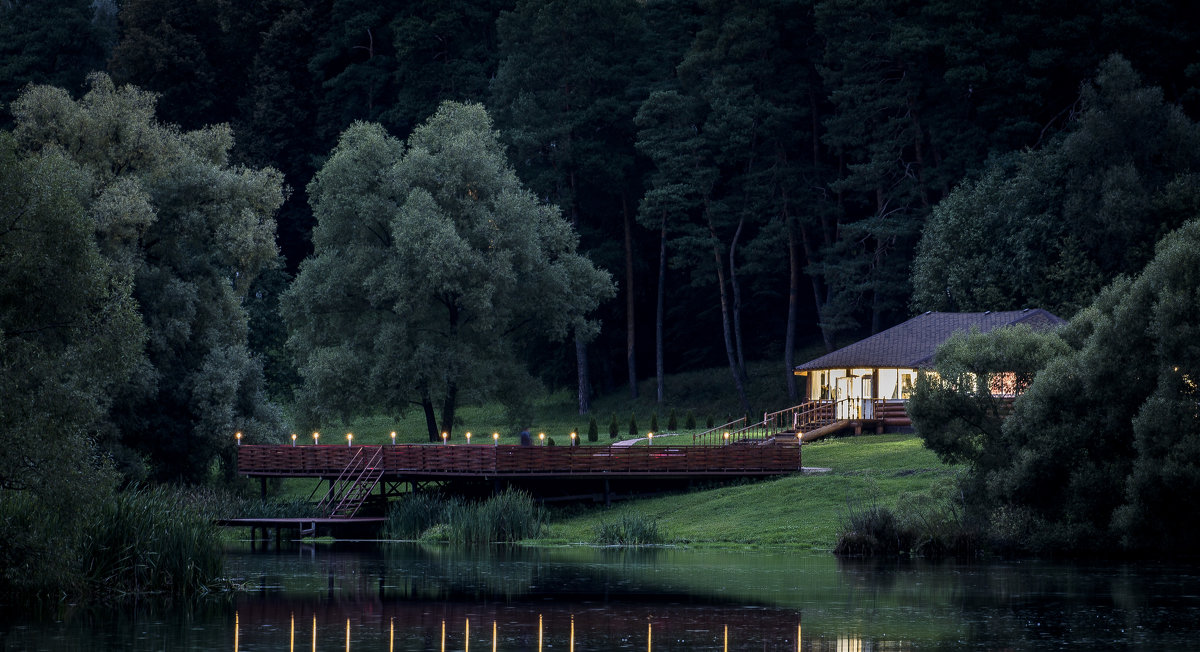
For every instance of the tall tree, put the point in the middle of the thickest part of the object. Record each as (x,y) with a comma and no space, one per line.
(433,265)
(562,98)
(193,232)
(70,333)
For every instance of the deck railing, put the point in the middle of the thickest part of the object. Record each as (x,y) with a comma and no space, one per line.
(715,436)
(483,460)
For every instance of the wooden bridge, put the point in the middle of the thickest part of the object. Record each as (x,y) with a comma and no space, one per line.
(360,475)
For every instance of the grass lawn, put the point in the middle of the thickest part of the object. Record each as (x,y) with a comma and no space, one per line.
(800,510)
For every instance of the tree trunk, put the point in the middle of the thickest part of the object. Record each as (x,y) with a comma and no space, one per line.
(826,331)
(585,386)
(789,336)
(658,317)
(728,328)
(430,418)
(736,288)
(630,330)
(448,407)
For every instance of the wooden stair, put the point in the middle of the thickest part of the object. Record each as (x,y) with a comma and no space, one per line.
(351,489)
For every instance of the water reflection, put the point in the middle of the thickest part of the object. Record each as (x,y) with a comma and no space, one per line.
(410,597)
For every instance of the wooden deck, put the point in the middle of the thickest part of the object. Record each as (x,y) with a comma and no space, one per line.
(423,462)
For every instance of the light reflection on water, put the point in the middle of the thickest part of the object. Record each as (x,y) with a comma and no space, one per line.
(402,597)
(459,637)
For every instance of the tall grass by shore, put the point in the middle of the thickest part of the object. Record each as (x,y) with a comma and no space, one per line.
(135,542)
(504,518)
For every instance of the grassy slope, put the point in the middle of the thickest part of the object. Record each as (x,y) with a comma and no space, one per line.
(802,510)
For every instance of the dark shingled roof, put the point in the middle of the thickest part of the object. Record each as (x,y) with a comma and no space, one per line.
(911,345)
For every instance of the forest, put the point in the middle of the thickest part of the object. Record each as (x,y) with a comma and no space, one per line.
(232,196)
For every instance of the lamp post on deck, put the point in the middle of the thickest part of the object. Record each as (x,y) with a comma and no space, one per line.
(542,438)
(468,437)
(445,436)
(349,438)
(293,440)
(496,438)
(393,438)
(239,438)
(726,438)
(316,438)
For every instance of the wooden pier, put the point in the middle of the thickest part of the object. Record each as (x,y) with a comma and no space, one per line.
(407,462)
(362,477)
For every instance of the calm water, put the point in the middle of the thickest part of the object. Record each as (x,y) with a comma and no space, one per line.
(411,597)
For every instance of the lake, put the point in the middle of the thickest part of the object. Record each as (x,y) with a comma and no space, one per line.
(390,596)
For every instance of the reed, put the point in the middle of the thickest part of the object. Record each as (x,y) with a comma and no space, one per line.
(628,530)
(151,541)
(504,518)
(411,517)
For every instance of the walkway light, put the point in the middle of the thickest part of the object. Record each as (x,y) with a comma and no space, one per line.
(293,440)
(542,438)
(239,438)
(496,438)
(650,439)
(445,436)
(349,438)
(316,438)
(393,438)
(573,436)
(726,438)
(468,436)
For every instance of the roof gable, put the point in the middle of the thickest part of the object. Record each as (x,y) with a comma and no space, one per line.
(912,344)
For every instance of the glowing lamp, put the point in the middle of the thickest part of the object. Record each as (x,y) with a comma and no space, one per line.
(468,436)
(239,438)
(542,438)
(393,438)
(293,440)
(349,438)
(445,436)
(316,438)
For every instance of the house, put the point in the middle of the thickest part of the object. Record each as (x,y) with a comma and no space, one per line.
(871,379)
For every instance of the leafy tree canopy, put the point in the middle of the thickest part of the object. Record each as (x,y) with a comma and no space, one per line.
(192,232)
(69,329)
(433,266)
(1049,228)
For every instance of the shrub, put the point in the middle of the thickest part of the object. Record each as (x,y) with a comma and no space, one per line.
(629,530)
(653,422)
(613,429)
(672,421)
(593,429)
(689,422)
(708,421)
(633,427)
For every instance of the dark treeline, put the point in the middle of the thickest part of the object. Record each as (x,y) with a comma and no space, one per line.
(755,176)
